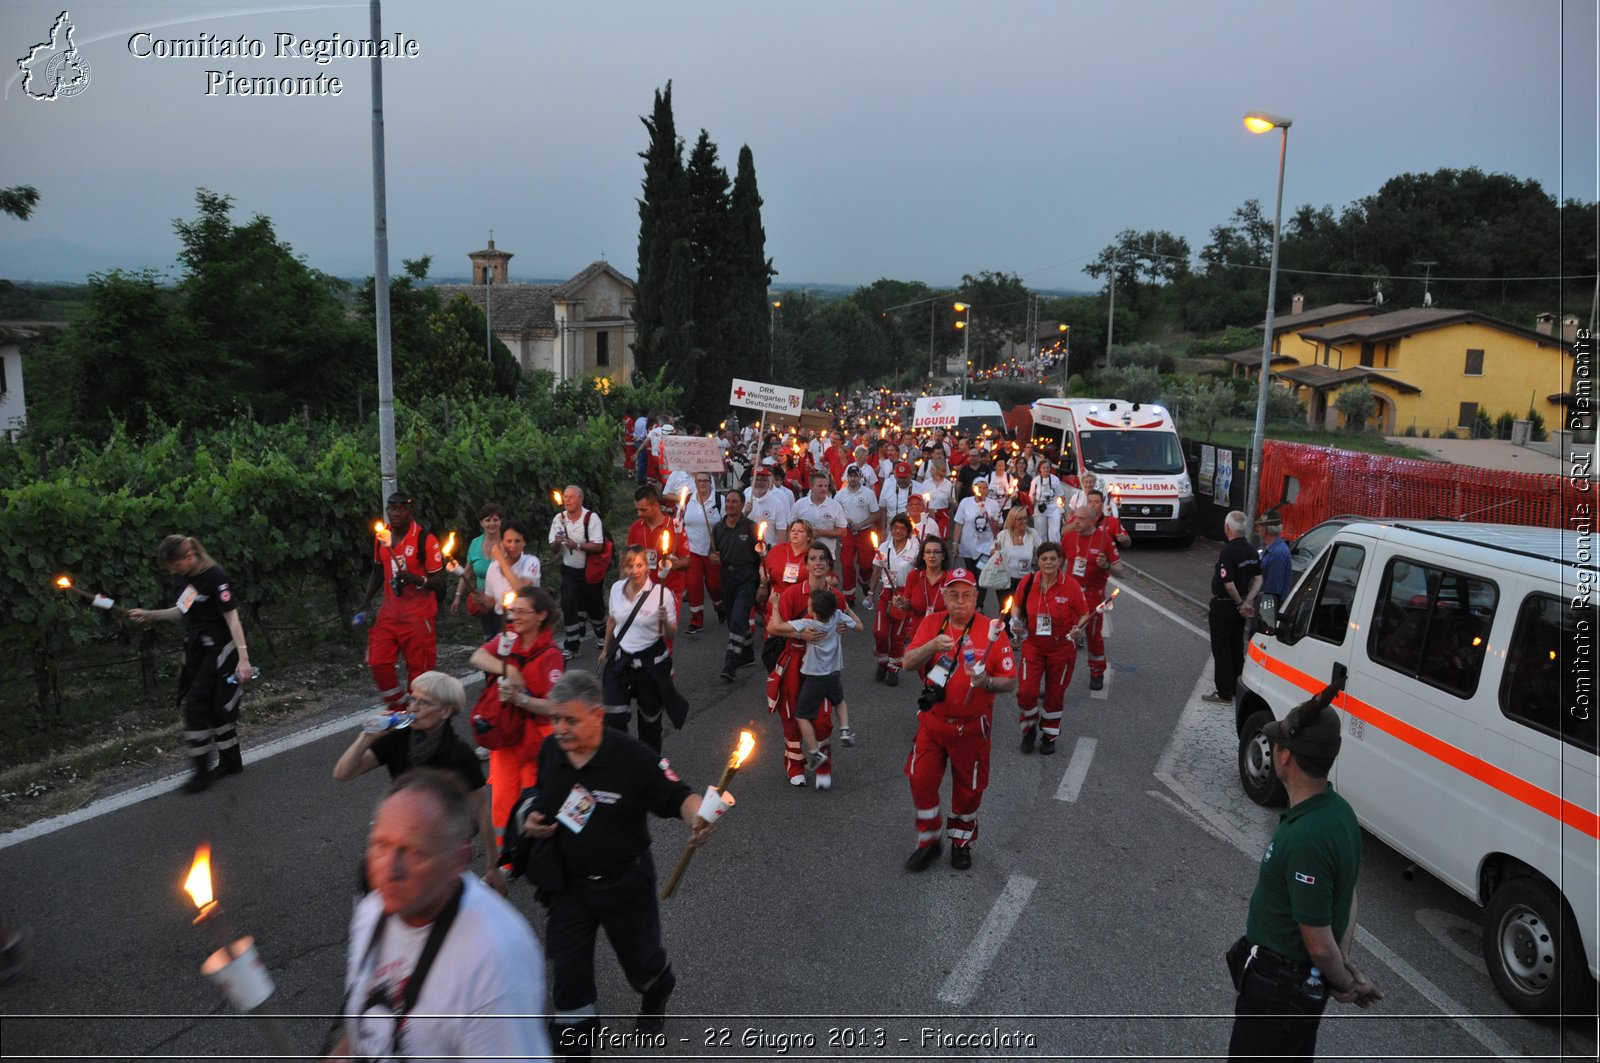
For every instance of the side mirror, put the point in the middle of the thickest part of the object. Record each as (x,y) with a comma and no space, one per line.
(1267,611)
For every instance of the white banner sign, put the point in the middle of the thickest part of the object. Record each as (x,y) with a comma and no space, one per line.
(691,454)
(937,411)
(773,398)
(1051,416)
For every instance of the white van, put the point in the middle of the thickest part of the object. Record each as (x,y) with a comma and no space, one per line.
(978,414)
(1133,449)
(1469,741)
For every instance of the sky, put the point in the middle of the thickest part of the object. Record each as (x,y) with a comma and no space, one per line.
(912,139)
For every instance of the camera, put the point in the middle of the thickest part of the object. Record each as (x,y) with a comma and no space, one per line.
(399,584)
(933,686)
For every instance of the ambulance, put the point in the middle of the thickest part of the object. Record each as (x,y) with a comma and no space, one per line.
(1134,451)
(1469,739)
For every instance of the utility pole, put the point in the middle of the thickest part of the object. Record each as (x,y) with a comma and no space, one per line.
(389,467)
(1111,311)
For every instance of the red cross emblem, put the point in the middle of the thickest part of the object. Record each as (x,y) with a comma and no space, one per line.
(936,407)
(739,393)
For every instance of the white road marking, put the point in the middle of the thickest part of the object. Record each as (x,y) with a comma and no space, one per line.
(967,976)
(1164,611)
(1077,770)
(139,794)
(1194,763)
(1189,814)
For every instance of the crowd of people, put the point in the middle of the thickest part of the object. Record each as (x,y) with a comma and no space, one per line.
(797,541)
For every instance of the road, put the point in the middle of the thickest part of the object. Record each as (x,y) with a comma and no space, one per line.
(1109,880)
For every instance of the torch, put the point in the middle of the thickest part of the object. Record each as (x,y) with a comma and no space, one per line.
(761,538)
(449,548)
(716,801)
(665,564)
(998,625)
(1103,607)
(235,967)
(99,601)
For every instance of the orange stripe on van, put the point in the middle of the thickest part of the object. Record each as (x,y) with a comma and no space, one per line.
(1514,787)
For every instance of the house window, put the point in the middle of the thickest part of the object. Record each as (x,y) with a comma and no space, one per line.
(602,348)
(1474,363)
(1469,415)
(1367,350)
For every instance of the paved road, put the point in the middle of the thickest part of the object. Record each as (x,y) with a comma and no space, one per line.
(1109,879)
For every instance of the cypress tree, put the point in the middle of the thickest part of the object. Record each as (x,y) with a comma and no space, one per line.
(750,272)
(706,391)
(663,220)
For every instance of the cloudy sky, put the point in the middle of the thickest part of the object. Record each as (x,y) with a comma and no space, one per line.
(915,140)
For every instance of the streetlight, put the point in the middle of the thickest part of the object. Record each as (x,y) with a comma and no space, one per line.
(966,343)
(1262,122)
(772,341)
(1066,355)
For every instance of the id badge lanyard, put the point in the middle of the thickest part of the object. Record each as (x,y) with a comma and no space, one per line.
(430,950)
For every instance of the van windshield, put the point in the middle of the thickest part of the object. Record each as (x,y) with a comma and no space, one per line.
(1132,452)
(973,426)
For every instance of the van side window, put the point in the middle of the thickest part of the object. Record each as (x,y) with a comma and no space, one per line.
(1321,606)
(1433,625)
(1541,678)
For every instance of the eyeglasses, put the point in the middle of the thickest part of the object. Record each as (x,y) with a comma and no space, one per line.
(519,612)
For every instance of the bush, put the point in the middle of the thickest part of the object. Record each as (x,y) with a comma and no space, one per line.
(1358,404)
(1503,425)
(1427,433)
(1233,338)
(1201,404)
(1482,427)
(1410,431)
(1134,383)
(1449,433)
(1539,435)
(1142,355)
(1009,393)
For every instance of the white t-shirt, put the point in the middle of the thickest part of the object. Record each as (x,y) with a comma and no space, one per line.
(641,428)
(483,997)
(775,508)
(574,530)
(899,562)
(699,517)
(869,475)
(860,506)
(941,491)
(677,480)
(978,522)
(893,498)
(1017,557)
(647,626)
(820,515)
(495,584)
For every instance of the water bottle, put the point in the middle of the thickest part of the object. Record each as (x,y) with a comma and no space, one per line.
(969,661)
(398,720)
(1313,987)
(233,678)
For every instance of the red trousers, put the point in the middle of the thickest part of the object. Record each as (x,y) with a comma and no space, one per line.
(855,562)
(1048,662)
(514,769)
(890,635)
(783,690)
(388,641)
(962,744)
(704,578)
(1094,633)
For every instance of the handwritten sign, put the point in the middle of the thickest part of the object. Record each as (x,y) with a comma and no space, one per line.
(691,454)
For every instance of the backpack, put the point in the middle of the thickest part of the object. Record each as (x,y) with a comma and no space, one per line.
(496,725)
(595,566)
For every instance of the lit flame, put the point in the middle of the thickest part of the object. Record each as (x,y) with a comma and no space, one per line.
(378,527)
(1477,640)
(761,531)
(666,541)
(198,884)
(508,598)
(874,540)
(555,496)
(927,498)
(64,582)
(449,544)
(747,745)
(683,499)
(1007,607)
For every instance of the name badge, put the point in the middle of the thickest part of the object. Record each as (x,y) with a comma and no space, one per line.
(791,572)
(652,557)
(1041,624)
(186,599)
(1079,565)
(576,809)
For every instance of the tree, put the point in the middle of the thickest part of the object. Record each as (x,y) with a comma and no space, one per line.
(1142,261)
(1358,404)
(18,201)
(663,221)
(900,313)
(710,244)
(999,304)
(134,353)
(750,272)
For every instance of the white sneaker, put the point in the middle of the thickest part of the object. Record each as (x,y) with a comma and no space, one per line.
(847,736)
(814,759)
(797,780)
(825,782)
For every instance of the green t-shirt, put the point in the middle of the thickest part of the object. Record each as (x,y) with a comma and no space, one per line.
(478,561)
(1308,875)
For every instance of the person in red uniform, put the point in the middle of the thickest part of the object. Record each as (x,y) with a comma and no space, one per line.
(408,565)
(1106,518)
(893,624)
(783,683)
(1047,613)
(955,717)
(647,532)
(1089,554)
(924,590)
(530,661)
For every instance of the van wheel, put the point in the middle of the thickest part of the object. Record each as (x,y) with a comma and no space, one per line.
(1260,782)
(1531,944)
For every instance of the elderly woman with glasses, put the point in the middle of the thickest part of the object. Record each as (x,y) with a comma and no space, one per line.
(430,741)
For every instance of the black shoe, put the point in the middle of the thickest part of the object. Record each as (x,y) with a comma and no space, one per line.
(883,670)
(1047,746)
(694,630)
(1028,738)
(961,857)
(229,762)
(923,856)
(892,679)
(1097,682)
(653,1008)
(747,658)
(650,1024)
(727,674)
(201,777)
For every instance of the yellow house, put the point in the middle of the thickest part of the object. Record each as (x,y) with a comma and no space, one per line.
(1430,368)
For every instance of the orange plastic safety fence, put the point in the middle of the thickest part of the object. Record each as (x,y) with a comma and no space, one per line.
(1338,482)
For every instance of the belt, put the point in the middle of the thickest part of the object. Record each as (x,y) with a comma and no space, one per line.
(614,874)
(1272,966)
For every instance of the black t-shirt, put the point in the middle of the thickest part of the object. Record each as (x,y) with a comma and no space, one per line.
(627,780)
(393,750)
(1238,564)
(737,547)
(212,596)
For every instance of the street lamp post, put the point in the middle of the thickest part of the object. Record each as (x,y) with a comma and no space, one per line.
(1261,122)
(1066,356)
(965,325)
(772,341)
